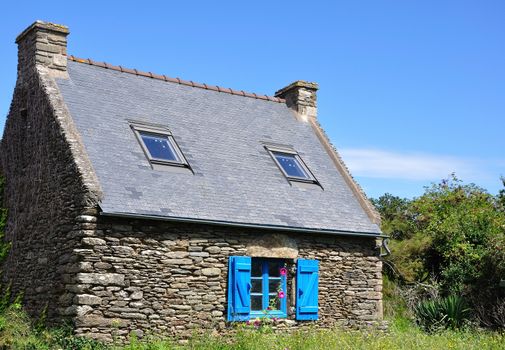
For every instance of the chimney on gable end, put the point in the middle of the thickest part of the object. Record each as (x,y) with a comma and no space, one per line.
(42,44)
(301,97)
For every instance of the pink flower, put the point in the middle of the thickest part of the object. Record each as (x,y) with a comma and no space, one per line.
(281,294)
(248,322)
(283,271)
(257,323)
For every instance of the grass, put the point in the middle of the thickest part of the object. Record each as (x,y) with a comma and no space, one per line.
(16,333)
(337,339)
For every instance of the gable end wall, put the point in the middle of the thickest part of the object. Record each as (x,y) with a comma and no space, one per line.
(47,192)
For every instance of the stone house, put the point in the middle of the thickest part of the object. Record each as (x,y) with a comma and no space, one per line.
(139,202)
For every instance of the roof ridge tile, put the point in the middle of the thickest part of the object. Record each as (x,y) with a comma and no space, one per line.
(175,80)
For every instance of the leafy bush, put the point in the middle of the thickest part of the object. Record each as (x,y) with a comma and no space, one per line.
(461,220)
(454,234)
(64,339)
(409,257)
(449,312)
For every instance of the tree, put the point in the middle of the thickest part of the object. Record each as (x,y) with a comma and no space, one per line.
(395,215)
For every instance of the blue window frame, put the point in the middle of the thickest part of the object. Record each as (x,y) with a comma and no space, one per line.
(268,288)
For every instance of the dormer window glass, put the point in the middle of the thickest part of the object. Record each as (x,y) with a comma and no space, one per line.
(159,146)
(290,163)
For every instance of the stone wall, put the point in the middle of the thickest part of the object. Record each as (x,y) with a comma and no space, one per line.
(46,187)
(171,278)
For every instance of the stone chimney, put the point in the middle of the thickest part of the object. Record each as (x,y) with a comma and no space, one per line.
(42,44)
(301,97)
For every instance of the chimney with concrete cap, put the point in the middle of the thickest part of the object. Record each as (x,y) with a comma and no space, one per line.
(301,97)
(42,44)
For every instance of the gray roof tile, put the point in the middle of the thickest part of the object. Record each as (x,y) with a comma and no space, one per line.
(235,180)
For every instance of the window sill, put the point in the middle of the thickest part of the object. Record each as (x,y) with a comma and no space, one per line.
(268,314)
(305,184)
(171,167)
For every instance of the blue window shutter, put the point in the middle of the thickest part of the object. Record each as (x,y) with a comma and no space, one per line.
(239,288)
(307,289)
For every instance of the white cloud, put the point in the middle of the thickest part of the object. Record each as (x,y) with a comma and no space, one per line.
(375,163)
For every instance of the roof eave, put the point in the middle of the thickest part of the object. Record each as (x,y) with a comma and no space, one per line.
(245,225)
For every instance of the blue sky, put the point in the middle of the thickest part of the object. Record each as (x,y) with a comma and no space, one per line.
(410,91)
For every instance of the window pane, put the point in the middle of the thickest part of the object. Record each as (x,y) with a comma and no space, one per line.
(256,285)
(274,285)
(290,165)
(256,302)
(275,302)
(273,269)
(256,268)
(159,147)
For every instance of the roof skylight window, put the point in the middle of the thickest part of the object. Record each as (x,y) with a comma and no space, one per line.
(290,163)
(159,146)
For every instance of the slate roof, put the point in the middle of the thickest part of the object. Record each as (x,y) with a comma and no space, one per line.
(235,180)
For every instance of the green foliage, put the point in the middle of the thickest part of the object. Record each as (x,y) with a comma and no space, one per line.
(394,211)
(429,315)
(409,256)
(501,194)
(396,310)
(40,323)
(5,298)
(4,246)
(63,338)
(320,339)
(461,220)
(453,232)
(16,331)
(450,312)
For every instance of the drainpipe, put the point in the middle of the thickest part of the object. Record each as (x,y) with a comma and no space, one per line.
(384,245)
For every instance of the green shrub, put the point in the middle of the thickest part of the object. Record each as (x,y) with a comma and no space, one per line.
(16,331)
(453,234)
(396,310)
(449,312)
(4,246)
(409,257)
(70,342)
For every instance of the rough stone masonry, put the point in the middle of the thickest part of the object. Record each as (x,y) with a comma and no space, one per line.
(151,276)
